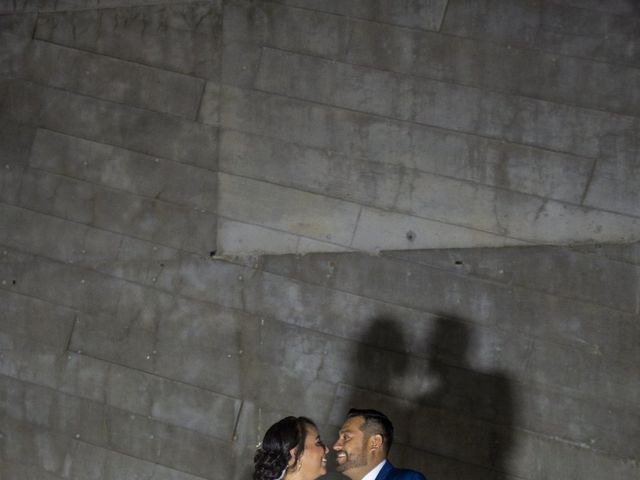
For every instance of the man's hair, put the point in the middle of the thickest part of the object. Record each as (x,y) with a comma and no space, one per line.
(375,422)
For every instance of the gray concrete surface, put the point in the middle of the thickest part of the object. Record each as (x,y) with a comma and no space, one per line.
(467,123)
(152,150)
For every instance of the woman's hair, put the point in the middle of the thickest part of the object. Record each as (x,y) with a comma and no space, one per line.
(273,454)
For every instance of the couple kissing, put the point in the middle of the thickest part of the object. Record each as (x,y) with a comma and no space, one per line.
(292,450)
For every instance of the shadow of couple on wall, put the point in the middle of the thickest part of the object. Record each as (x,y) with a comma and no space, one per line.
(452,419)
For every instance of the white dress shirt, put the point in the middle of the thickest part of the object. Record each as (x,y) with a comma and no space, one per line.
(375,471)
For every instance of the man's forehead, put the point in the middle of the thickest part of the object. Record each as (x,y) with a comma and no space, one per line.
(352,424)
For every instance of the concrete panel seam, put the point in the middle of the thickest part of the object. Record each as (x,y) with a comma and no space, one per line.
(191,70)
(487,281)
(116,232)
(358,217)
(114,189)
(120,147)
(593,8)
(355,226)
(112,446)
(484,422)
(589,180)
(388,210)
(155,375)
(109,275)
(539,435)
(120,409)
(402,122)
(35,26)
(107,362)
(446,82)
(214,252)
(39,9)
(413,122)
(128,106)
(29,153)
(238,262)
(510,285)
(444,15)
(325,12)
(324,105)
(529,337)
(199,104)
(430,172)
(349,293)
(574,444)
(526,47)
(300,236)
(523,47)
(576,249)
(69,338)
(32,468)
(518,386)
(98,54)
(44,300)
(551,387)
(236,422)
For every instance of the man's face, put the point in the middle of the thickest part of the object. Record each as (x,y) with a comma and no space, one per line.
(351,445)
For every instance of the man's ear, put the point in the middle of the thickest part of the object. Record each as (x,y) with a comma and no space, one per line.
(375,442)
(294,457)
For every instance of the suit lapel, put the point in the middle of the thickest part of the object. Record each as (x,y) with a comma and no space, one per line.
(385,473)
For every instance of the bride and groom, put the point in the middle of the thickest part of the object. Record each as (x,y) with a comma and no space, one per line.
(292,450)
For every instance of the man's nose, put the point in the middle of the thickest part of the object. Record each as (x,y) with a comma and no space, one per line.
(337,446)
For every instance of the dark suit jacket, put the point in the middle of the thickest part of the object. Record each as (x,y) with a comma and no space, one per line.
(389,472)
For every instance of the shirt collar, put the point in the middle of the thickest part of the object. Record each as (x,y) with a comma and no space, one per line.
(373,473)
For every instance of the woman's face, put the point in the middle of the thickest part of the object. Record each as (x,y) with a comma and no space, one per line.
(314,457)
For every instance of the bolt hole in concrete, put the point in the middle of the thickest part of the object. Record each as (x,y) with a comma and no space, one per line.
(459,262)
(411,235)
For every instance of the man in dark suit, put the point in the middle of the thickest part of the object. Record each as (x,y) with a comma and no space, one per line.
(362,447)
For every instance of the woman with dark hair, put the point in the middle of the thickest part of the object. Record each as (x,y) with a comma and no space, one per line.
(291,450)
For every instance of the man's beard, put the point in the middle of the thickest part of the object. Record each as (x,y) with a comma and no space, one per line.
(353,460)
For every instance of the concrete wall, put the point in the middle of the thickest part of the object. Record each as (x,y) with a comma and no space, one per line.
(519,361)
(463,123)
(427,124)
(140,140)
(334,126)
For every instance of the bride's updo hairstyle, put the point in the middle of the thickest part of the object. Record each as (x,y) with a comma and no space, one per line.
(273,454)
